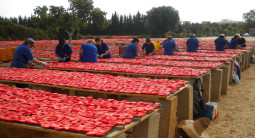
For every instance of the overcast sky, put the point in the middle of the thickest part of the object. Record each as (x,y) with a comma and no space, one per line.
(189,10)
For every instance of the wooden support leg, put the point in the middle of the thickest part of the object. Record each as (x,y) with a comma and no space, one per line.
(250,56)
(185,104)
(231,71)
(206,80)
(238,59)
(246,60)
(168,114)
(225,79)
(243,62)
(71,92)
(123,135)
(149,128)
(168,120)
(216,84)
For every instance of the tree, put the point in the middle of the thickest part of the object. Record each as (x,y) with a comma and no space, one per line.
(97,23)
(207,30)
(230,30)
(249,19)
(162,19)
(56,21)
(41,17)
(114,27)
(78,13)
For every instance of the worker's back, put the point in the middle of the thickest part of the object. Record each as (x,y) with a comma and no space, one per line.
(89,53)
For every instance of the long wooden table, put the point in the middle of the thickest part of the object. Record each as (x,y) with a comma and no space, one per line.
(146,124)
(178,104)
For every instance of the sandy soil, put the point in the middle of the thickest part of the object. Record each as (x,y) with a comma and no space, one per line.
(237,110)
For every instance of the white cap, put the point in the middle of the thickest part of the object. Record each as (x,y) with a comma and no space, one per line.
(238,35)
(222,34)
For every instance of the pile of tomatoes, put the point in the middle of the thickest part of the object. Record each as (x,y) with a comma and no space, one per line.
(93,81)
(127,68)
(190,58)
(71,113)
(205,54)
(163,62)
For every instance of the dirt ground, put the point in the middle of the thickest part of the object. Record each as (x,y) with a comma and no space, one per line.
(237,110)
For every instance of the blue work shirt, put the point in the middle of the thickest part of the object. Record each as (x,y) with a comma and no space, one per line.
(169,47)
(21,56)
(63,52)
(233,43)
(130,51)
(241,42)
(220,44)
(227,42)
(167,40)
(192,44)
(148,48)
(103,49)
(89,53)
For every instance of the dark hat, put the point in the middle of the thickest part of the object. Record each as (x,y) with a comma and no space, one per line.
(61,41)
(30,41)
(135,39)
(97,39)
(148,39)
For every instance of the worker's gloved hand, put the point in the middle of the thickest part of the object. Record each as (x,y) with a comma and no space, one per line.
(44,63)
(64,58)
(102,55)
(59,58)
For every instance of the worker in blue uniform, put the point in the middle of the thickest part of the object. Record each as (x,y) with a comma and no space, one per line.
(192,43)
(63,51)
(169,46)
(234,42)
(88,52)
(23,56)
(220,43)
(148,47)
(102,49)
(131,50)
(242,41)
(168,34)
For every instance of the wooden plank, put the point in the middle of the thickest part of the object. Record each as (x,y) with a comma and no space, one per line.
(242,62)
(178,91)
(250,56)
(148,128)
(248,60)
(206,80)
(239,59)
(131,125)
(26,127)
(231,71)
(185,104)
(216,84)
(123,135)
(225,79)
(71,92)
(168,118)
